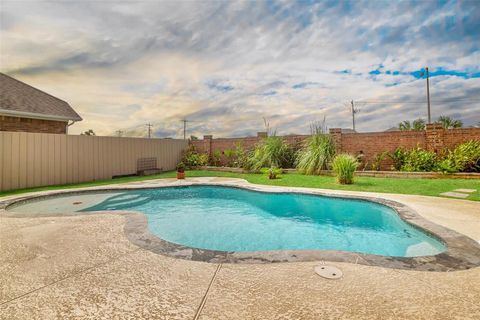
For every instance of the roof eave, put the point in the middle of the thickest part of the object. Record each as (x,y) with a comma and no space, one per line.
(30,115)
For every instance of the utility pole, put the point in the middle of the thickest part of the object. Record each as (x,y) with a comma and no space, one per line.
(353,114)
(425,73)
(428,96)
(184,128)
(149,130)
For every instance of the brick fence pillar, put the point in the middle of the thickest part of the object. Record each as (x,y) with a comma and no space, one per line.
(434,137)
(336,134)
(207,144)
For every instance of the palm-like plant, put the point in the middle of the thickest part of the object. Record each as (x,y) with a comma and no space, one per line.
(449,122)
(405,125)
(270,152)
(344,166)
(317,154)
(417,125)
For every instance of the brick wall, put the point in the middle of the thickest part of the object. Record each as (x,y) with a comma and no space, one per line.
(434,138)
(453,137)
(31,125)
(373,143)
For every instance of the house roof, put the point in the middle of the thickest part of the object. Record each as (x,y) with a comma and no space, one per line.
(392,129)
(22,100)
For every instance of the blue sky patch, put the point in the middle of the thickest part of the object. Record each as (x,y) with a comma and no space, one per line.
(220,87)
(302,85)
(269,93)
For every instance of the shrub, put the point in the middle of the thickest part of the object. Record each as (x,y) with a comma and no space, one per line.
(344,166)
(180,167)
(230,156)
(202,159)
(445,166)
(291,156)
(215,158)
(378,159)
(272,172)
(464,158)
(398,157)
(235,157)
(317,154)
(241,156)
(270,152)
(419,160)
(192,159)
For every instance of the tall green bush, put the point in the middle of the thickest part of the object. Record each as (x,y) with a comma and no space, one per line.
(344,166)
(378,159)
(419,160)
(398,157)
(317,154)
(464,158)
(270,152)
(241,156)
(215,158)
(192,158)
(235,157)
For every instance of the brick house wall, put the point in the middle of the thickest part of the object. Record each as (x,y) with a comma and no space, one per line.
(434,138)
(32,125)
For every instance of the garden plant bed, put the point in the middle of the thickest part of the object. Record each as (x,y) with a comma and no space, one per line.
(367,173)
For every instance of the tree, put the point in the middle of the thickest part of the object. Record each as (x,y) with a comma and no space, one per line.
(417,125)
(449,123)
(89,132)
(405,125)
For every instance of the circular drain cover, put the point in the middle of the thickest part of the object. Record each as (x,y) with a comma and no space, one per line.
(329,272)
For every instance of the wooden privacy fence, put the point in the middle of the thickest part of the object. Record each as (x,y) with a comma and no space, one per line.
(41,159)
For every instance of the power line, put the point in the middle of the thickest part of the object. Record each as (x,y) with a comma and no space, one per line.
(414,102)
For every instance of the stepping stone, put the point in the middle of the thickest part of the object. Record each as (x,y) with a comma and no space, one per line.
(455,195)
(465,190)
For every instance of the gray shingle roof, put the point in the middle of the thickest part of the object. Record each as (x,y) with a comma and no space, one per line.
(16,96)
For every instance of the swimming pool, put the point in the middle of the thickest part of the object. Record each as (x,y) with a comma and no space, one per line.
(240,220)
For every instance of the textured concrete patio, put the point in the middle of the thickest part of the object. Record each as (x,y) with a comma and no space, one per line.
(84,267)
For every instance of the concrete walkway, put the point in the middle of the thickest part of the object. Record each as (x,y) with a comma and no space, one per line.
(83,267)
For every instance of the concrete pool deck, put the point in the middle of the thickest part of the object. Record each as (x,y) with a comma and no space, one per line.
(72,267)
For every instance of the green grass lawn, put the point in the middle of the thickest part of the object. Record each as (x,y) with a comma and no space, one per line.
(428,187)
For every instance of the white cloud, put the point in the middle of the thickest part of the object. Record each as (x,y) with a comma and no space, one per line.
(122,64)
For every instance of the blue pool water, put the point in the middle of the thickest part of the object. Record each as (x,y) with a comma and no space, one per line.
(232,219)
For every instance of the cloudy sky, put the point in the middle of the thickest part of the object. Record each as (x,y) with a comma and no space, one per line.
(227,65)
